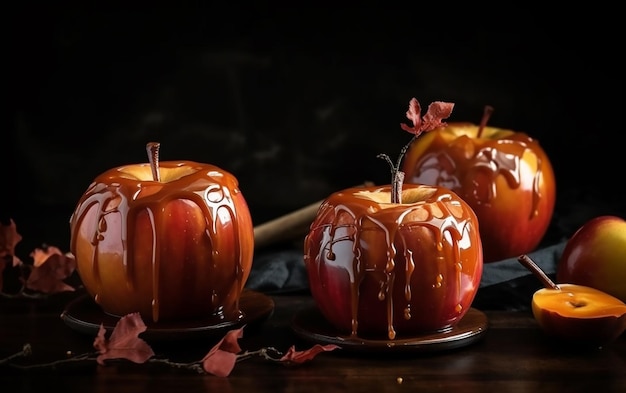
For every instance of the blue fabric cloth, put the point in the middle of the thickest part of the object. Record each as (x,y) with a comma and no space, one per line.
(283,271)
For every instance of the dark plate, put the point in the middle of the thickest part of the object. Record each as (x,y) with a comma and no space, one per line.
(85,316)
(310,325)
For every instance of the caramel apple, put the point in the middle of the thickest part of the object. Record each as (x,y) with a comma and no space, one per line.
(170,240)
(504,175)
(397,259)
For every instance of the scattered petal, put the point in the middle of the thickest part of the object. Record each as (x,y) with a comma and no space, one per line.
(296,357)
(221,359)
(124,342)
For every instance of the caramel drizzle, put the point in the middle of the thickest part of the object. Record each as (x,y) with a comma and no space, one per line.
(504,159)
(210,198)
(438,226)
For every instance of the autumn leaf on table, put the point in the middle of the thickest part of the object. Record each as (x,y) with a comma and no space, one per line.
(296,357)
(50,268)
(221,359)
(124,342)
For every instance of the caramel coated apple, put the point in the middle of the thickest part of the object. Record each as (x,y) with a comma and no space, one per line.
(173,248)
(383,269)
(505,176)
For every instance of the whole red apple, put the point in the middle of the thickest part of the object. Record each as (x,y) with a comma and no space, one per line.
(173,248)
(505,176)
(399,259)
(595,256)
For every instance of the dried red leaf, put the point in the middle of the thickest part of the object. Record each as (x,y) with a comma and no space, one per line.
(221,359)
(50,268)
(124,342)
(3,265)
(437,111)
(9,238)
(296,357)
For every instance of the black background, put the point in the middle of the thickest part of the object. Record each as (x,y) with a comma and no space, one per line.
(297,101)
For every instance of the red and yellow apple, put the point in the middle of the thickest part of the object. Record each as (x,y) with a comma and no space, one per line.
(382,269)
(505,176)
(595,256)
(579,313)
(176,246)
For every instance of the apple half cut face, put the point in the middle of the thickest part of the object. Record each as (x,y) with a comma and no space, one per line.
(579,313)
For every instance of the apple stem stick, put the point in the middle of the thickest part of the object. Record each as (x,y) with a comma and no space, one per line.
(152,148)
(436,112)
(536,270)
(483,122)
(397,176)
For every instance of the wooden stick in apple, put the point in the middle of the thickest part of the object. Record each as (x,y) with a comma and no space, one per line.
(536,270)
(576,313)
(152,148)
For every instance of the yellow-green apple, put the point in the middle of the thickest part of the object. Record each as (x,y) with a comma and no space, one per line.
(576,312)
(504,175)
(397,259)
(170,240)
(595,256)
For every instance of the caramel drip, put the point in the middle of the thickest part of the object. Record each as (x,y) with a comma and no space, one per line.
(209,191)
(393,229)
(501,158)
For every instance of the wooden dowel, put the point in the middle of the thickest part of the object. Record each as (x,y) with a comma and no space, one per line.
(290,226)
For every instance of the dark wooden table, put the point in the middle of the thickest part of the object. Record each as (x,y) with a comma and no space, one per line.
(513,355)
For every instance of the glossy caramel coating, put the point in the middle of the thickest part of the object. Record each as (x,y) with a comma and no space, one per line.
(382,269)
(177,248)
(505,176)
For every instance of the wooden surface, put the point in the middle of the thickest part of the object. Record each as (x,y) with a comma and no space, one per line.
(512,356)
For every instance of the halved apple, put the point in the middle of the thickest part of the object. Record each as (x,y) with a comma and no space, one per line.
(579,313)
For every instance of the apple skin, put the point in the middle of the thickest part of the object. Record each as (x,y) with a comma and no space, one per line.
(381,269)
(175,249)
(595,256)
(579,314)
(505,176)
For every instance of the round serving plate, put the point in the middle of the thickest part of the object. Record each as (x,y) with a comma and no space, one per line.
(85,316)
(311,325)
